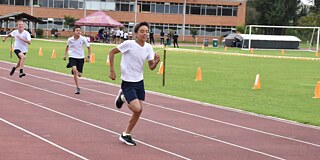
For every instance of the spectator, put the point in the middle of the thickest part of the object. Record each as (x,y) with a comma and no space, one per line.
(175,40)
(151,37)
(162,37)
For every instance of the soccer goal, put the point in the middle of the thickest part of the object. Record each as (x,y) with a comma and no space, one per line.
(281,37)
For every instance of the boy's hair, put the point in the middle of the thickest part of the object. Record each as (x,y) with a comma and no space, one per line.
(136,28)
(19,21)
(74,28)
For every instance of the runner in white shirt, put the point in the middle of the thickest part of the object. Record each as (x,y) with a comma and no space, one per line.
(22,40)
(134,55)
(76,54)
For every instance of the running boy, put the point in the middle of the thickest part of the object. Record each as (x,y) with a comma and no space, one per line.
(22,39)
(134,55)
(76,54)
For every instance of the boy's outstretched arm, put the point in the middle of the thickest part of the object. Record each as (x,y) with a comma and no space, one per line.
(112,73)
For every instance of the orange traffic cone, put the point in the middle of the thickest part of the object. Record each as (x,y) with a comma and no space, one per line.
(40,52)
(92,58)
(317,90)
(225,48)
(161,68)
(199,75)
(251,50)
(282,51)
(107,61)
(317,54)
(53,55)
(257,84)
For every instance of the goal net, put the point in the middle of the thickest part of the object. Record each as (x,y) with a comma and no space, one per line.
(281,37)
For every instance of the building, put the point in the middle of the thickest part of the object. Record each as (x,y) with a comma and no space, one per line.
(210,18)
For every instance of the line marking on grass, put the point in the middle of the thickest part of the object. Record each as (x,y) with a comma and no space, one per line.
(244,55)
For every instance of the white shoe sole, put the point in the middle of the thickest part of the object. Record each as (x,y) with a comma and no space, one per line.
(122,140)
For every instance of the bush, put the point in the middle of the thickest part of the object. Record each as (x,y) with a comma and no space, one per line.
(39,32)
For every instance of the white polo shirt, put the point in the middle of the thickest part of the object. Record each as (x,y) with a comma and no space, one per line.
(19,44)
(76,47)
(133,59)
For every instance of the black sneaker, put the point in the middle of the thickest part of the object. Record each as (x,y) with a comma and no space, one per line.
(120,99)
(21,75)
(77,91)
(12,71)
(127,140)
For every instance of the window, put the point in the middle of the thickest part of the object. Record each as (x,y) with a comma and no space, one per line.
(203,10)
(212,10)
(187,9)
(74,4)
(174,8)
(181,9)
(219,11)
(51,3)
(43,3)
(160,8)
(158,28)
(125,7)
(235,11)
(66,3)
(80,4)
(58,4)
(153,7)
(195,10)
(226,11)
(166,8)
(210,30)
(4,1)
(145,7)
(19,2)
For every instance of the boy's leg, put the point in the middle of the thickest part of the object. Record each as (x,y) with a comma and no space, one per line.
(136,107)
(14,68)
(75,77)
(21,64)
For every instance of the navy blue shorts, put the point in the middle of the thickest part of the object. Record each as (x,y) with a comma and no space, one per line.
(76,62)
(133,90)
(17,51)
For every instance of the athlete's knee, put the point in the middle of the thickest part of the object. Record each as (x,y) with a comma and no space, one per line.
(22,57)
(136,108)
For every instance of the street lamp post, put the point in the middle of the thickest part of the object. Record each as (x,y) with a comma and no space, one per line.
(85,14)
(184,20)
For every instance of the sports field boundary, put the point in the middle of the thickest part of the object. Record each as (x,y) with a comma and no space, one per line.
(242,54)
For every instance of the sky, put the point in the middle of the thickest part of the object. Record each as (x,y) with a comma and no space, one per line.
(306,2)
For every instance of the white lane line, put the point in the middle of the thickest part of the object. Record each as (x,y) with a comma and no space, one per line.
(90,124)
(152,121)
(191,114)
(41,138)
(169,96)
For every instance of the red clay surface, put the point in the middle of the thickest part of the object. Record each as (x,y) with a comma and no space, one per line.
(42,119)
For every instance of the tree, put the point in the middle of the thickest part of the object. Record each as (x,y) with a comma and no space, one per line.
(193,32)
(69,21)
(277,12)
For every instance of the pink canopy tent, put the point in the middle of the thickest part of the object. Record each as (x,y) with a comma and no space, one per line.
(98,19)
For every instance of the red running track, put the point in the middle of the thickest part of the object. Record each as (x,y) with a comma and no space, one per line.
(42,119)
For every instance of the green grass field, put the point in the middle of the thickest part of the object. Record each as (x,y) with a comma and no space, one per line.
(287,85)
